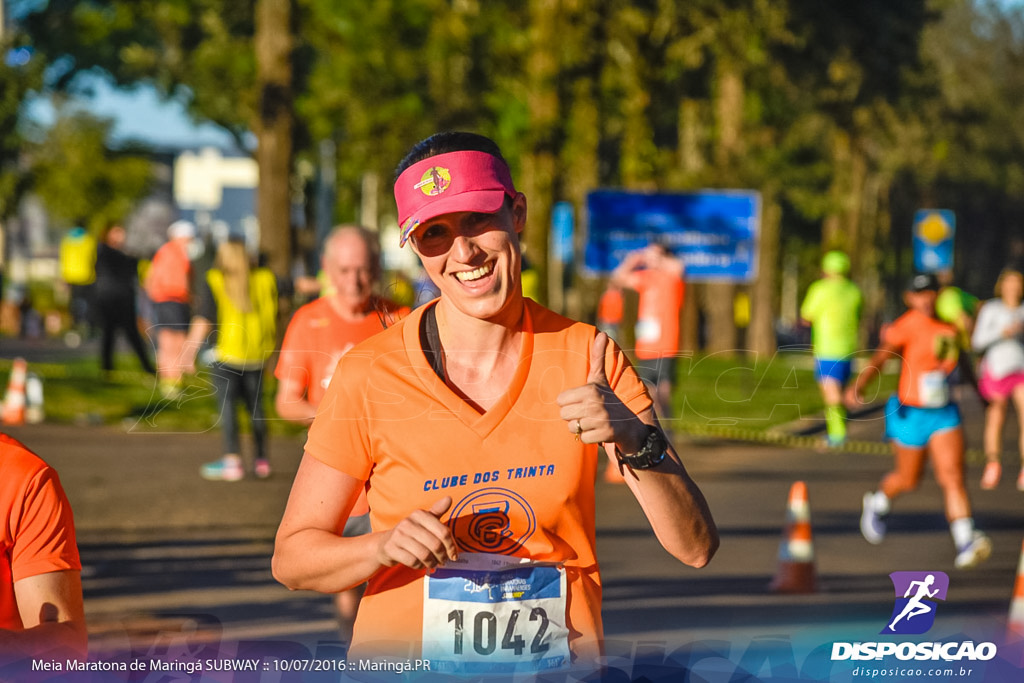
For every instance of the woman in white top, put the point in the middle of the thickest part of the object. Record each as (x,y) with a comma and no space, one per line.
(999,335)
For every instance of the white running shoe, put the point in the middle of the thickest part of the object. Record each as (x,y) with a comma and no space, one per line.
(228,468)
(975,552)
(872,524)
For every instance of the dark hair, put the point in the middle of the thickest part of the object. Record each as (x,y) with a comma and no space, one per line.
(449,141)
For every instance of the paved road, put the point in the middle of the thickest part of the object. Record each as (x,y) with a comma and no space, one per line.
(172,561)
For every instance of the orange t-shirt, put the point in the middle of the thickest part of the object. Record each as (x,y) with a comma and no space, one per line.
(522,487)
(657,319)
(39,534)
(316,339)
(928,349)
(168,275)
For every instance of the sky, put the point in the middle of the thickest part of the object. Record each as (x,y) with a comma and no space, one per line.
(140,114)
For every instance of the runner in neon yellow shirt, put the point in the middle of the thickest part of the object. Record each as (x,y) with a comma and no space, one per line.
(832,309)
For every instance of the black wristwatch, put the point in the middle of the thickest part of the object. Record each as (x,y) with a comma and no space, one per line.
(650,454)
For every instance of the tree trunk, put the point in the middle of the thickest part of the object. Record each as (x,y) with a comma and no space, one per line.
(580,161)
(835,225)
(273,43)
(719,301)
(539,160)
(691,160)
(761,334)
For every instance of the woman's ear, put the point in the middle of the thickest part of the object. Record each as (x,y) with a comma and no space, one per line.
(519,212)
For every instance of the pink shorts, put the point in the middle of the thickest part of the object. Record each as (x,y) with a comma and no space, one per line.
(999,389)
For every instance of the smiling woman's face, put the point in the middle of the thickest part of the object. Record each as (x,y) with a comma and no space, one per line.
(474,258)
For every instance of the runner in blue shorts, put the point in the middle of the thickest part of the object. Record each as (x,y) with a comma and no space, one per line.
(921,420)
(832,309)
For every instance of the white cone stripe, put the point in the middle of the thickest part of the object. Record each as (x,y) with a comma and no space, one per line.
(798,551)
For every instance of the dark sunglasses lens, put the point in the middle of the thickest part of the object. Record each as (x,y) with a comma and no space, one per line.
(433,242)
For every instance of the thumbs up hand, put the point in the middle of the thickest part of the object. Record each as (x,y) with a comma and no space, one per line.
(594,414)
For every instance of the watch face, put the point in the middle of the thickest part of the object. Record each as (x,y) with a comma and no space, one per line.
(652,452)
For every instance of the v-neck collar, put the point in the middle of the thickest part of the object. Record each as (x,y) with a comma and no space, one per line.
(457,407)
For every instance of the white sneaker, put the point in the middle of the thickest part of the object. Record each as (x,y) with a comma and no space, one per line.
(872,525)
(974,553)
(228,468)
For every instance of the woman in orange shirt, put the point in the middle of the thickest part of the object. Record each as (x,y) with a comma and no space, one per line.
(473,426)
(920,419)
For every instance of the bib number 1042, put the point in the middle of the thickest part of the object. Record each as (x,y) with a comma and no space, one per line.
(485,628)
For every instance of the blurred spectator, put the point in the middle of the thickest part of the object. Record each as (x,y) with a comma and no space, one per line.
(657,276)
(78,269)
(609,311)
(999,336)
(239,305)
(530,279)
(114,299)
(319,334)
(832,308)
(959,309)
(41,610)
(169,287)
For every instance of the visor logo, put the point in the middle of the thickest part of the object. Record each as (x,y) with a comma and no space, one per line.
(914,611)
(434,181)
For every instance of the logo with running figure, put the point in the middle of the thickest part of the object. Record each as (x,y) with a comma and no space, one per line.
(914,612)
(492,520)
(434,181)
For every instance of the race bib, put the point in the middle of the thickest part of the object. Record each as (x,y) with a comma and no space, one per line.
(495,614)
(648,330)
(933,389)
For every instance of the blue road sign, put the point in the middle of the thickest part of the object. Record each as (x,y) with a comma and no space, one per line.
(715,232)
(934,230)
(563,224)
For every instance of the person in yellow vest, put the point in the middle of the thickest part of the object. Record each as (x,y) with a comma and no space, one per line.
(237,304)
(78,269)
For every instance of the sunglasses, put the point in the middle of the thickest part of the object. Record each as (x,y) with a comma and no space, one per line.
(437,238)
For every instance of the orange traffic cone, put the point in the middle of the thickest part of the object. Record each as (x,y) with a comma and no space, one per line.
(14,400)
(795,573)
(1015,624)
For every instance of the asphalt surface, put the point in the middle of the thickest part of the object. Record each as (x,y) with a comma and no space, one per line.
(174,564)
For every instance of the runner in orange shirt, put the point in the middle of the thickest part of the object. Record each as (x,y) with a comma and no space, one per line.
(323,331)
(473,425)
(920,419)
(657,276)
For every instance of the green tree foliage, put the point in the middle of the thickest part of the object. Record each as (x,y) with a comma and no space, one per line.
(845,116)
(199,51)
(79,180)
(18,77)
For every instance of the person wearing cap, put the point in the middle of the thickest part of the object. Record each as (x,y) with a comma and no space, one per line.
(473,426)
(920,418)
(832,308)
(169,287)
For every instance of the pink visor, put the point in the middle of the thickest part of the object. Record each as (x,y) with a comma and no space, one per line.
(447,183)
